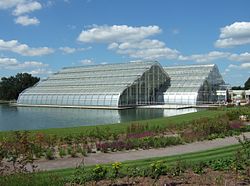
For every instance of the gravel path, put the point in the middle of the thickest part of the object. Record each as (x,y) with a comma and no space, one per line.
(99,158)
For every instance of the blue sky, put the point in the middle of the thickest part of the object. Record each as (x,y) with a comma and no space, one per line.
(42,36)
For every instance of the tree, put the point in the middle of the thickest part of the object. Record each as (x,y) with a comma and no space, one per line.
(247,84)
(11,87)
(237,88)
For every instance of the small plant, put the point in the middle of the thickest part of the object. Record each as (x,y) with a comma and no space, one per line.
(221,164)
(80,176)
(62,151)
(116,167)
(199,168)
(72,151)
(49,154)
(178,168)
(157,169)
(99,173)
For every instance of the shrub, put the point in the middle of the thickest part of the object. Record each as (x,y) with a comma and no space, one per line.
(99,173)
(72,150)
(157,168)
(116,168)
(49,154)
(62,151)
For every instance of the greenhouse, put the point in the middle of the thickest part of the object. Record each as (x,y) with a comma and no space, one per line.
(110,85)
(192,85)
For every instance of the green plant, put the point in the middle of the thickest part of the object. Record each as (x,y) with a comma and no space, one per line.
(72,150)
(245,145)
(99,173)
(81,176)
(116,167)
(62,151)
(221,164)
(157,168)
(199,168)
(49,154)
(178,168)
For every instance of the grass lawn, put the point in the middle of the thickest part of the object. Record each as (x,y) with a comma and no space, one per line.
(57,177)
(122,127)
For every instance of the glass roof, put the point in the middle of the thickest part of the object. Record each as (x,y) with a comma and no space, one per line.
(191,78)
(99,79)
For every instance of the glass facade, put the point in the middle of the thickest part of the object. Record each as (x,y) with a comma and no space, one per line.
(192,85)
(112,85)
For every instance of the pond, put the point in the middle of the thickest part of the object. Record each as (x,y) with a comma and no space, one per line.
(29,118)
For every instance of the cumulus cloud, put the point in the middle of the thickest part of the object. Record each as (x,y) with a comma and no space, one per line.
(26,8)
(26,20)
(117,33)
(69,50)
(32,64)
(22,7)
(6,4)
(241,66)
(14,64)
(23,49)
(87,62)
(41,71)
(146,49)
(235,34)
(131,41)
(7,62)
(204,58)
(243,57)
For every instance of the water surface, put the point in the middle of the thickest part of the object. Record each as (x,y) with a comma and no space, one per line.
(28,118)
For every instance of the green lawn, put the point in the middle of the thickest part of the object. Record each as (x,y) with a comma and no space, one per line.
(122,127)
(57,177)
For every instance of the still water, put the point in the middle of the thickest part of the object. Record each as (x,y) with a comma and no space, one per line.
(24,118)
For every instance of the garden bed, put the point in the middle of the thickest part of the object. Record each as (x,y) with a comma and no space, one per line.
(21,148)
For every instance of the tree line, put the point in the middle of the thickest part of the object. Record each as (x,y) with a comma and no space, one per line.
(11,87)
(246,86)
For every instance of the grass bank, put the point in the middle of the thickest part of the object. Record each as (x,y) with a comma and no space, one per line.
(59,177)
(122,127)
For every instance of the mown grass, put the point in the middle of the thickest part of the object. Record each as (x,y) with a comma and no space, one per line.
(58,177)
(122,127)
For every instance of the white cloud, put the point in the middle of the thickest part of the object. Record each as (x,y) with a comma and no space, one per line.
(23,49)
(32,64)
(14,64)
(26,20)
(243,57)
(175,31)
(40,71)
(117,33)
(22,7)
(6,4)
(26,8)
(146,49)
(204,58)
(235,34)
(131,41)
(241,66)
(87,62)
(245,65)
(7,62)
(49,3)
(69,50)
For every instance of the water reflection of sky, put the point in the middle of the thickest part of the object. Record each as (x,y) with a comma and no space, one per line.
(173,112)
(17,118)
